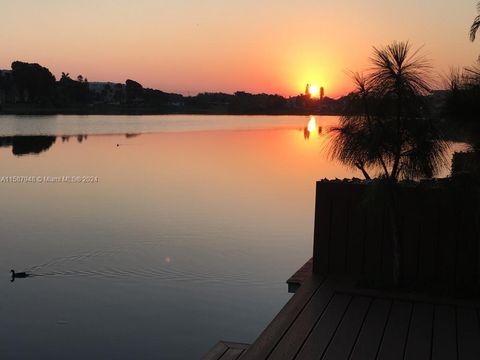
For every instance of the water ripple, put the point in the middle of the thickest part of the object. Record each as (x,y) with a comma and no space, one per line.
(88,265)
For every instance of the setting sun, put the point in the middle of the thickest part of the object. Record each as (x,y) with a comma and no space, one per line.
(314,90)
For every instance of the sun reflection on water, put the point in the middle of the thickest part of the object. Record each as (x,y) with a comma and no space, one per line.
(312,128)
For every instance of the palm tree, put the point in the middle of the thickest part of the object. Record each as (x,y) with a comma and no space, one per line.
(476,24)
(387,128)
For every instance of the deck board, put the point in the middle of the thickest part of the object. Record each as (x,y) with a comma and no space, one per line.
(335,319)
(396,331)
(225,350)
(232,354)
(216,352)
(444,341)
(468,334)
(298,332)
(419,341)
(344,339)
(274,332)
(323,332)
(370,336)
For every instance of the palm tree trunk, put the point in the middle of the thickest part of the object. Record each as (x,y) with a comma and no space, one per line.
(364,172)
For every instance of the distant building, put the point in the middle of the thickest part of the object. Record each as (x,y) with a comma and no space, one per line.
(100,85)
(107,92)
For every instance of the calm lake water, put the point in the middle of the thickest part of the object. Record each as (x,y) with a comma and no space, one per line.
(184,235)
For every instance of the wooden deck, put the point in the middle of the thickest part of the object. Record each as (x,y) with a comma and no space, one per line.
(329,319)
(302,274)
(225,350)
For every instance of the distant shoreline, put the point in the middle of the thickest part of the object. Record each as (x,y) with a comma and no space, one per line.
(125,110)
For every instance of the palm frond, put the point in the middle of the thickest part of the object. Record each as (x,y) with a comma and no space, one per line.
(386,127)
(397,70)
(474,28)
(476,24)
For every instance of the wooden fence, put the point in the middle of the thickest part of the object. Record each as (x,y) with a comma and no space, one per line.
(438,227)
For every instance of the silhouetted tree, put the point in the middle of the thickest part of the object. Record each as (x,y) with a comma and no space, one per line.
(7,88)
(462,103)
(387,127)
(209,101)
(159,99)
(119,93)
(307,91)
(34,82)
(71,91)
(463,100)
(245,103)
(133,91)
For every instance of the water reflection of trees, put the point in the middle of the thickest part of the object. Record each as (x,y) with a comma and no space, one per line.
(26,145)
(80,138)
(30,145)
(307,132)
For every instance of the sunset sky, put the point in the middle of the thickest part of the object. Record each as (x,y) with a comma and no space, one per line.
(189,46)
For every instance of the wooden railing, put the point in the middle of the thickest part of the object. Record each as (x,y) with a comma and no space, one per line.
(438,224)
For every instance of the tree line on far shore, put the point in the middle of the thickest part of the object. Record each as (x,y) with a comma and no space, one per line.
(32,87)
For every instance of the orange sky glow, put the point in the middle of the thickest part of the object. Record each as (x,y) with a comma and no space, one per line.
(188,46)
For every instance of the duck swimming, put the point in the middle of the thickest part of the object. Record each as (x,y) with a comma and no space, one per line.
(18,275)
